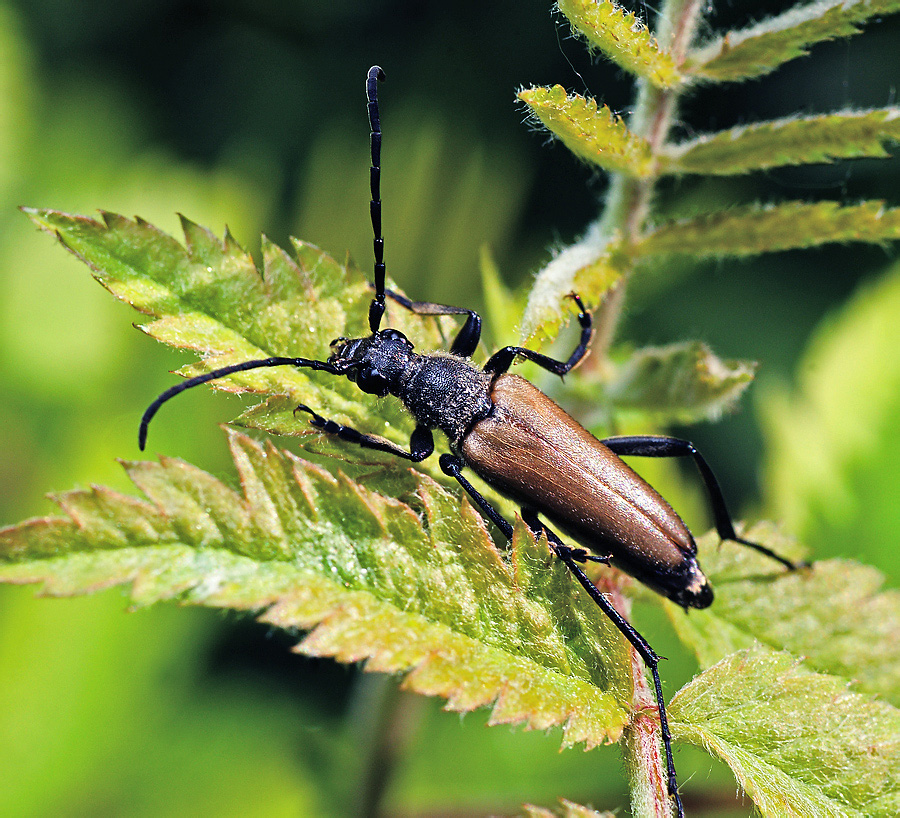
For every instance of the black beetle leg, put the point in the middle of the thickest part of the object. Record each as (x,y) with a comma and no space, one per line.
(452,466)
(664,446)
(421,442)
(502,360)
(570,557)
(467,338)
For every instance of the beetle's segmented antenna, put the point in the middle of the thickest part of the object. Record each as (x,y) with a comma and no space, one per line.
(376,310)
(172,391)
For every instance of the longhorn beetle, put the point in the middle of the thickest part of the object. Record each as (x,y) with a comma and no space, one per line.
(519,441)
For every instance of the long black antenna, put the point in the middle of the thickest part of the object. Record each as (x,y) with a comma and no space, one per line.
(376,309)
(172,391)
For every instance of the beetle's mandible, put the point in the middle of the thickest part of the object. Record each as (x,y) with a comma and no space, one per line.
(519,441)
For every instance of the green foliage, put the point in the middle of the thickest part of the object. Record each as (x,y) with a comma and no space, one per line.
(594,134)
(680,383)
(751,230)
(387,567)
(370,577)
(639,153)
(763,47)
(790,141)
(395,571)
(835,615)
(831,467)
(798,742)
(622,38)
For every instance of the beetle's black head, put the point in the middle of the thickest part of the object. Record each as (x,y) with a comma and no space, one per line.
(375,364)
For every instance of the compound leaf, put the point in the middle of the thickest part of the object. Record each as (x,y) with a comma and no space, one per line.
(761,48)
(757,229)
(623,38)
(799,742)
(790,141)
(415,587)
(592,133)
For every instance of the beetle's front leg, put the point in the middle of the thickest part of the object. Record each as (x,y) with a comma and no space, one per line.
(421,442)
(466,340)
(664,446)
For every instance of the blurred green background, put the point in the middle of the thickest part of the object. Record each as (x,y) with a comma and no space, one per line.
(252,114)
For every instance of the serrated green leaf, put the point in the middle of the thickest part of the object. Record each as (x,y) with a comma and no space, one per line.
(683,383)
(592,133)
(790,141)
(798,742)
(567,809)
(623,38)
(835,614)
(209,297)
(761,48)
(757,229)
(421,590)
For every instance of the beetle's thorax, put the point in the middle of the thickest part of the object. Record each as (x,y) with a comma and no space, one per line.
(440,390)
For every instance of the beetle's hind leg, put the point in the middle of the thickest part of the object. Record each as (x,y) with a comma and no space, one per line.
(421,442)
(571,557)
(664,446)
(452,466)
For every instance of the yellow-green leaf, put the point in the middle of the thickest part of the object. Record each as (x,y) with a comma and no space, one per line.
(592,133)
(799,743)
(623,38)
(679,383)
(757,229)
(590,267)
(421,590)
(835,614)
(761,48)
(791,141)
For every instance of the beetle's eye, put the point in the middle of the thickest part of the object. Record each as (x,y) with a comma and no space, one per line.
(372,381)
(395,335)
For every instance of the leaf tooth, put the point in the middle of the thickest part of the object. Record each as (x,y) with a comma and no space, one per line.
(109,519)
(305,475)
(283,276)
(202,244)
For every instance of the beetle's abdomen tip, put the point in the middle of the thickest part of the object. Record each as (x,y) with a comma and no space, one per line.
(698,593)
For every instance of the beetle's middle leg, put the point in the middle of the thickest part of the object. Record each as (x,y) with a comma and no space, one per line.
(664,446)
(421,442)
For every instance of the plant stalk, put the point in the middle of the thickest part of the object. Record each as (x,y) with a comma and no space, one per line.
(626,213)
(628,201)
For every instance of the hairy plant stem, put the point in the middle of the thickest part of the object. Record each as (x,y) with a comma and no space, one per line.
(627,208)
(628,201)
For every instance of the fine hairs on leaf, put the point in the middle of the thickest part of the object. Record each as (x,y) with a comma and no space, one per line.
(392,567)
